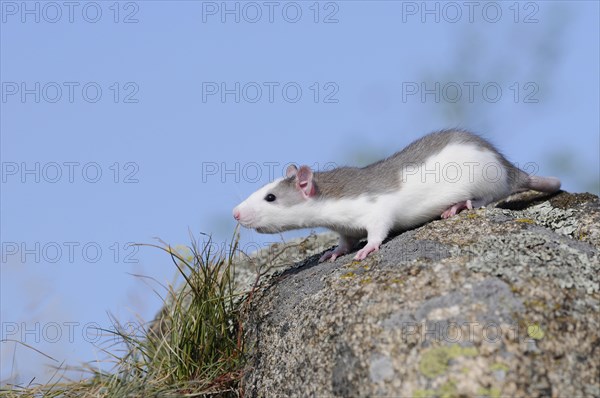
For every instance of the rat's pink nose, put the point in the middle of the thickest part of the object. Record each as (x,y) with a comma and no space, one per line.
(236,214)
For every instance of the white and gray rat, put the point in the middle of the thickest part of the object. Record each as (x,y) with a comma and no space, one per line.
(440,174)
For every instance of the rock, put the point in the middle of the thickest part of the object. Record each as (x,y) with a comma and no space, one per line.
(499,301)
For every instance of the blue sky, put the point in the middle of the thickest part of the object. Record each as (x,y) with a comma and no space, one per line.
(125,121)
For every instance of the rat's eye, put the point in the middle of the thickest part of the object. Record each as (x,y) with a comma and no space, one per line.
(270,198)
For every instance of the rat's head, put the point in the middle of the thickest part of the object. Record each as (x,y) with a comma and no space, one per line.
(277,206)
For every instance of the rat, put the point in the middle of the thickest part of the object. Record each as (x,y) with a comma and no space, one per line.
(438,175)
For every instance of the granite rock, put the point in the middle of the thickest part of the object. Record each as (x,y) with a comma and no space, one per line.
(498,301)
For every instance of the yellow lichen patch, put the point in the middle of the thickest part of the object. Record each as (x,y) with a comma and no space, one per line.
(525,220)
(446,390)
(424,393)
(536,304)
(535,332)
(489,392)
(472,215)
(348,275)
(366,280)
(434,361)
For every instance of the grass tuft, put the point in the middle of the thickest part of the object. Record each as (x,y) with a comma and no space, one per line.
(194,349)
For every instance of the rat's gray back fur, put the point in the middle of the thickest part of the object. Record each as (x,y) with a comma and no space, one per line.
(384,176)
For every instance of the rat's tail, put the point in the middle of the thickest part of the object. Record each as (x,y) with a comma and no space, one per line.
(543,184)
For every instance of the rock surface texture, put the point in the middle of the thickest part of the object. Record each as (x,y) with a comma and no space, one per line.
(500,301)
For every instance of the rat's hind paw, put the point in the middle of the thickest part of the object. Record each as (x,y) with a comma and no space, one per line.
(344,247)
(333,254)
(453,210)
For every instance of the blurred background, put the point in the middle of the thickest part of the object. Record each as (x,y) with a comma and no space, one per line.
(128,121)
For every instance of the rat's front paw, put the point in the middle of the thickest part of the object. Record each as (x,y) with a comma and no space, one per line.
(365,251)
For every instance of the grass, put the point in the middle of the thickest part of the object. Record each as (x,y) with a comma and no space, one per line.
(194,349)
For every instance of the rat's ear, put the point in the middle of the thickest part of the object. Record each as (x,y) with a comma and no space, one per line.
(291,171)
(304,181)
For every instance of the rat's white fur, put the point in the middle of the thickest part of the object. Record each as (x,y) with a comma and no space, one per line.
(457,173)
